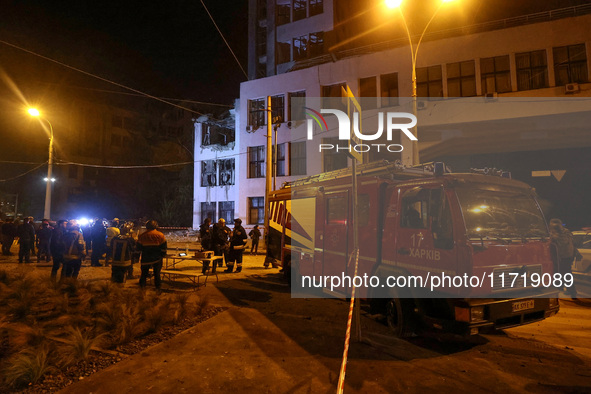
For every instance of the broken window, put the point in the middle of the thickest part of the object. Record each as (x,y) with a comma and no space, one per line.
(300,47)
(316,7)
(283,52)
(208,211)
(213,134)
(299,9)
(226,168)
(208,173)
(283,12)
(316,44)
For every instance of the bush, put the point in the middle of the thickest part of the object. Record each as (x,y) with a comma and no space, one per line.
(27,366)
(79,344)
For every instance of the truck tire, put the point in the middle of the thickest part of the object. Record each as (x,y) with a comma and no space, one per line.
(399,314)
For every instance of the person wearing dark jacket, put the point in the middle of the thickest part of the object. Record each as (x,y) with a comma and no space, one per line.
(237,243)
(57,247)
(152,246)
(219,239)
(98,234)
(43,241)
(8,234)
(123,248)
(74,251)
(563,239)
(255,235)
(26,236)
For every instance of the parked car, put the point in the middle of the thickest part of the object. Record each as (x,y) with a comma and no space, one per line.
(582,241)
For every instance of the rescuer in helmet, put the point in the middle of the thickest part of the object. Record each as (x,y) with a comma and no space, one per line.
(122,251)
(237,243)
(152,246)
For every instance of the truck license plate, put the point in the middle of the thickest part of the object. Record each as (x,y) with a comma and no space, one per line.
(523,305)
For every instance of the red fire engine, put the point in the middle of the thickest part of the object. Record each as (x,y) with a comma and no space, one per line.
(420,223)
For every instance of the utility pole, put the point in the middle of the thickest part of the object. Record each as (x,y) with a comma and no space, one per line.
(268,162)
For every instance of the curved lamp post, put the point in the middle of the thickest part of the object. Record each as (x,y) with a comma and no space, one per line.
(46,215)
(414,51)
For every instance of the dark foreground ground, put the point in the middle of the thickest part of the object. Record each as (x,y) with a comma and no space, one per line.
(267,342)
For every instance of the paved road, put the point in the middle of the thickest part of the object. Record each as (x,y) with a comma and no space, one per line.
(268,342)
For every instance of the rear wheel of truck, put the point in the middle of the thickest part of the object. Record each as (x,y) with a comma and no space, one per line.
(399,314)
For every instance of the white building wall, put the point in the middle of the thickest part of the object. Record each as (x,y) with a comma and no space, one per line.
(213,193)
(510,41)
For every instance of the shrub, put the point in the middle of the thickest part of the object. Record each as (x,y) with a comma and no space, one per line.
(201,305)
(130,326)
(156,317)
(79,344)
(27,366)
(108,316)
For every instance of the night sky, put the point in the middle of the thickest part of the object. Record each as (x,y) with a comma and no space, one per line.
(164,48)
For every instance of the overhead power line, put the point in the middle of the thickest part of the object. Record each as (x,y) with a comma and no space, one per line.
(223,38)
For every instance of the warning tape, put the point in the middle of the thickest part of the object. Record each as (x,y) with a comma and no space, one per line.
(175,228)
(341,384)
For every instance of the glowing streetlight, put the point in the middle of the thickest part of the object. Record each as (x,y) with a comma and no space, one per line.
(414,51)
(49,179)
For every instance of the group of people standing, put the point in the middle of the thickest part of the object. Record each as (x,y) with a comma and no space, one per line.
(226,243)
(65,245)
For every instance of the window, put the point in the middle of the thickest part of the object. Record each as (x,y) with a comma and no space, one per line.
(208,173)
(316,44)
(261,41)
(495,74)
(257,113)
(256,161)
(300,47)
(429,82)
(316,7)
(212,134)
(283,52)
(299,9)
(297,158)
(226,209)
(368,87)
(278,109)
(461,79)
(256,210)
(570,64)
(306,46)
(422,208)
(389,90)
(208,211)
(280,159)
(532,70)
(283,12)
(296,104)
(330,92)
(226,168)
(336,211)
(333,159)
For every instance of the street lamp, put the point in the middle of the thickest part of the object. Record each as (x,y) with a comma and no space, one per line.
(414,51)
(49,180)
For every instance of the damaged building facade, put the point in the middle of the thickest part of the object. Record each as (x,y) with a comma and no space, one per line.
(215,186)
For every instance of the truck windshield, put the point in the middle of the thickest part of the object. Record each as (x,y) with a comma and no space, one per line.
(501,214)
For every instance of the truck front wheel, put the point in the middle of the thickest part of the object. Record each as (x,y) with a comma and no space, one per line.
(399,313)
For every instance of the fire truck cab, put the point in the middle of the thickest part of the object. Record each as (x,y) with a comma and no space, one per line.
(419,223)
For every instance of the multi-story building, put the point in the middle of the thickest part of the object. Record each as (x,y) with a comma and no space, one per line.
(215,191)
(308,49)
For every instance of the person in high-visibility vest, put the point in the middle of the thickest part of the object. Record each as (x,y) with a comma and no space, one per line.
(122,250)
(152,246)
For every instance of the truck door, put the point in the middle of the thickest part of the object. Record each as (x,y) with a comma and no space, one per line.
(424,239)
(335,237)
